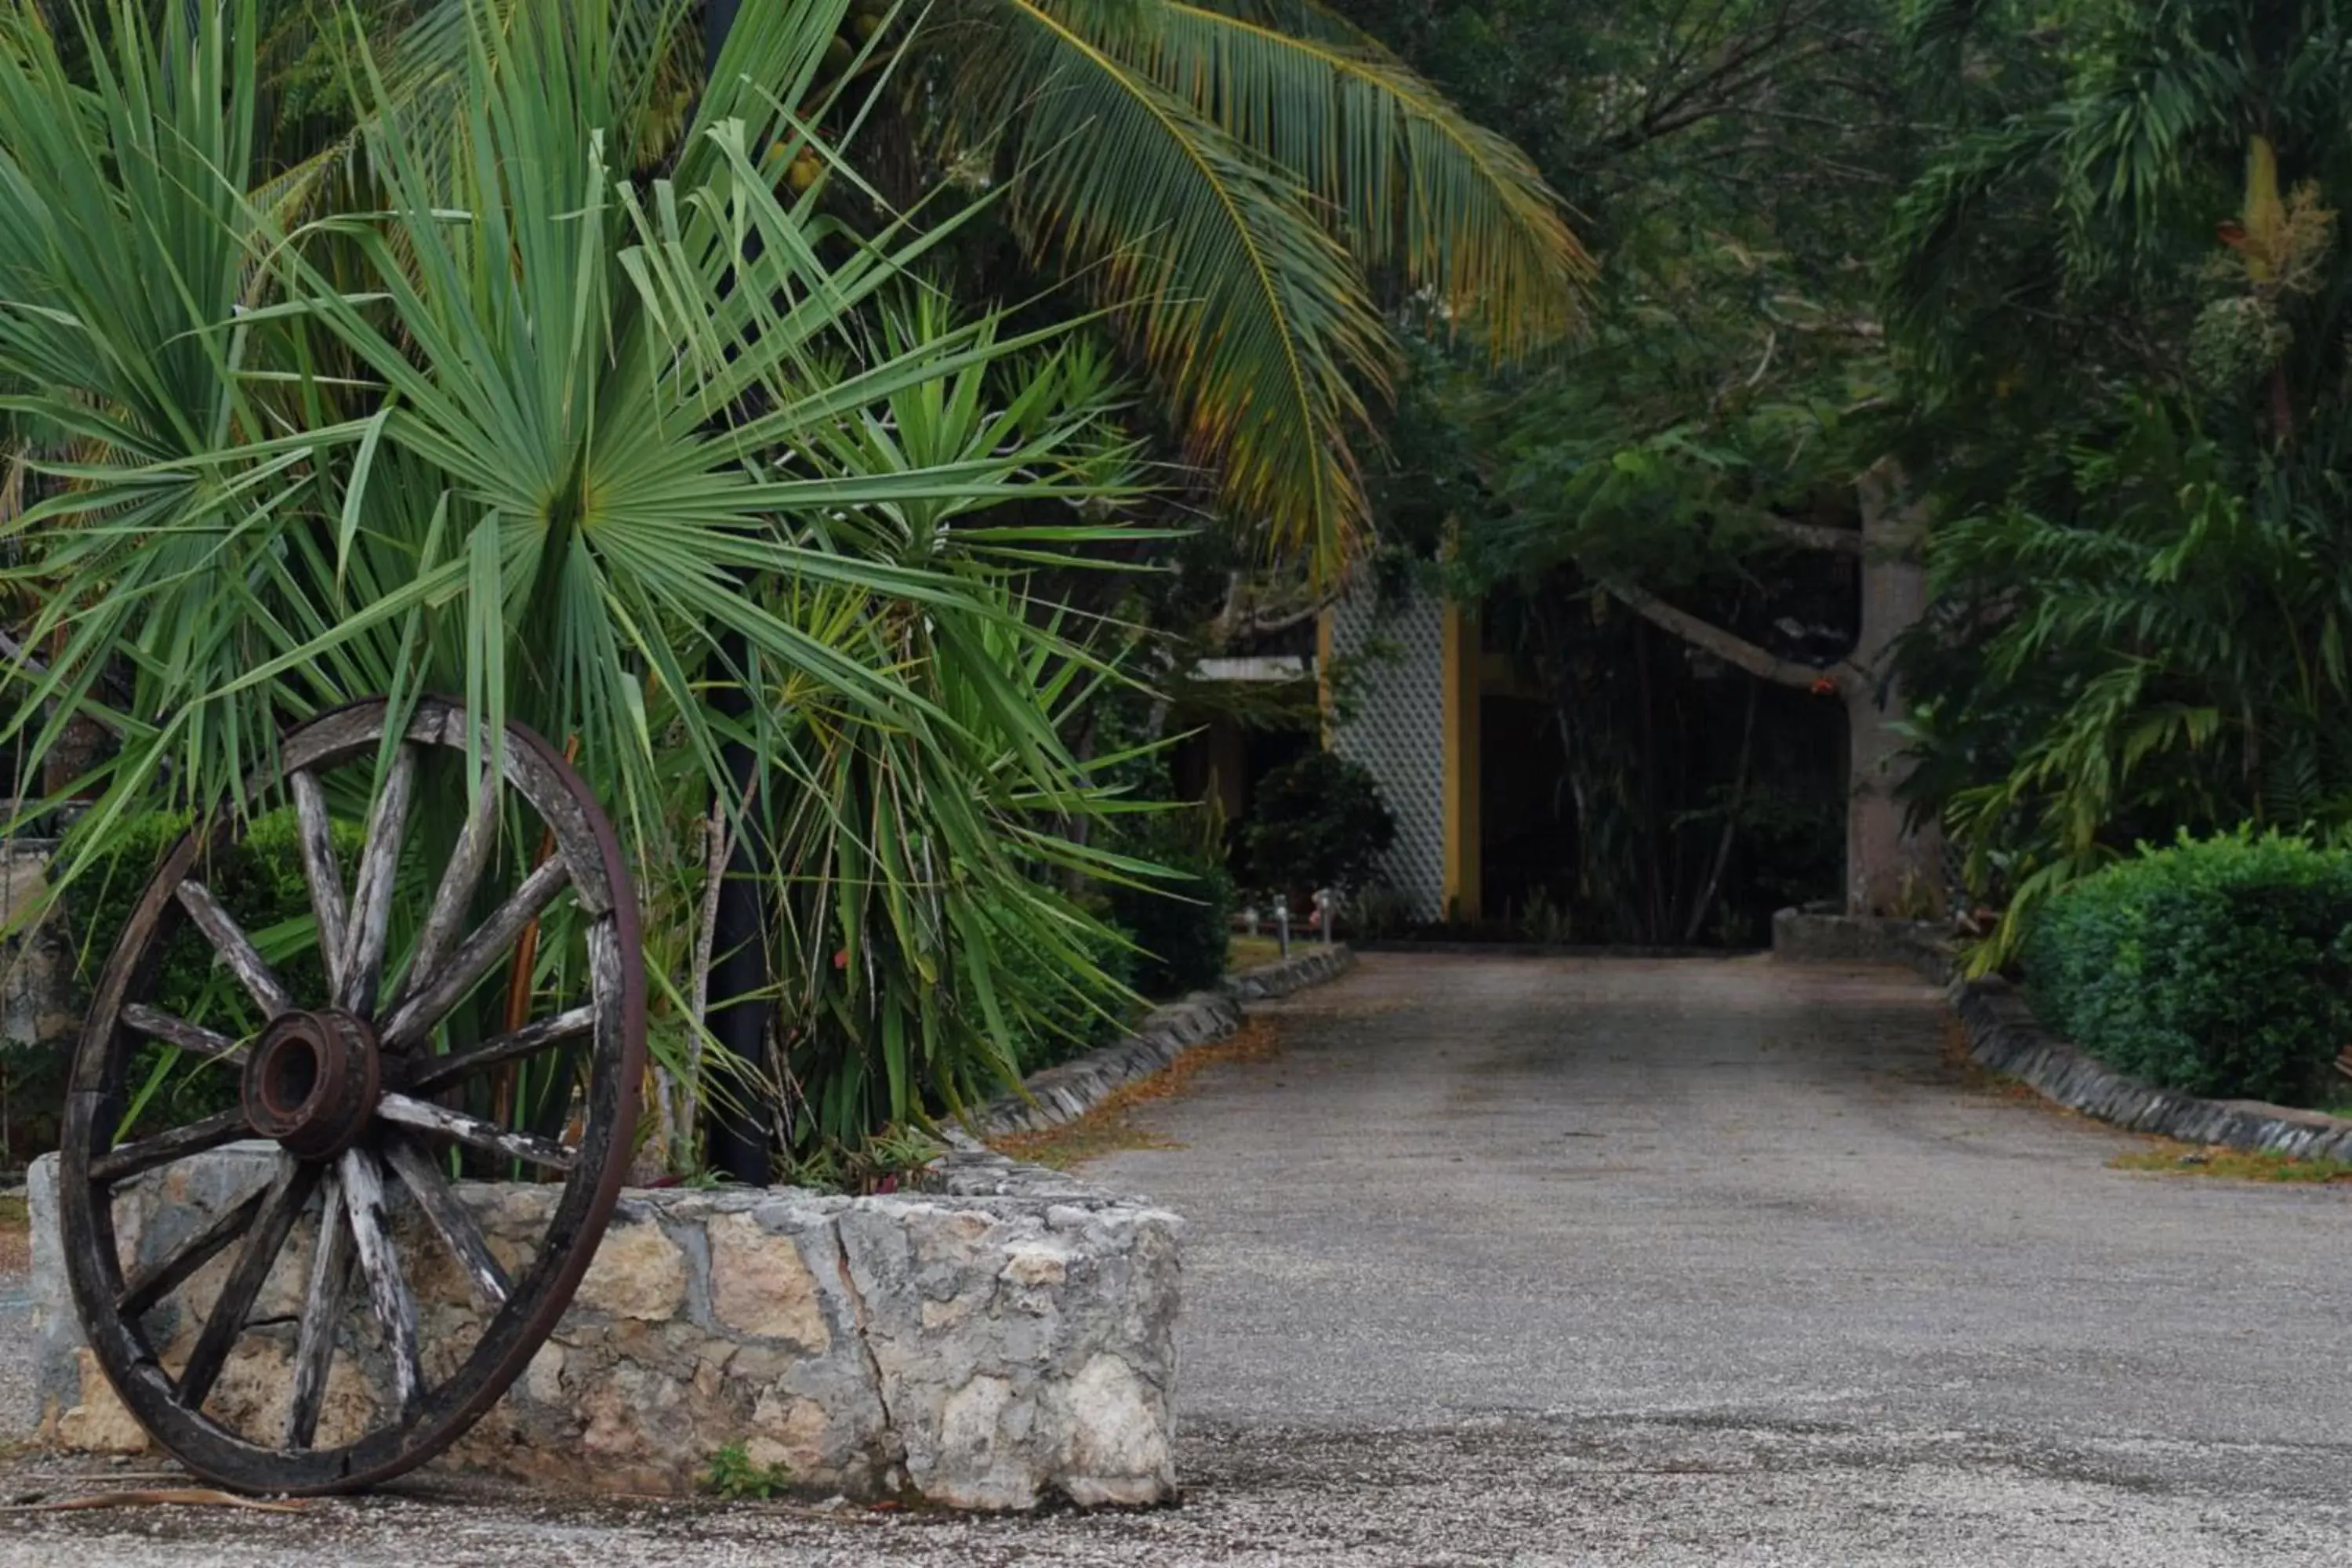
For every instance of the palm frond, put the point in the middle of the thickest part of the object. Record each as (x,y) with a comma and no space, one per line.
(1258,320)
(1419,193)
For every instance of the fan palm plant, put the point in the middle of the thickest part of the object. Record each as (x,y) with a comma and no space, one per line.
(592,449)
(1252,187)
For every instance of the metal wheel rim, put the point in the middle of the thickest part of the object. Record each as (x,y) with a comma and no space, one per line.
(540,1292)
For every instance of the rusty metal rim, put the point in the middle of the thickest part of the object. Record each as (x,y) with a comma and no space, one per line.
(540,1296)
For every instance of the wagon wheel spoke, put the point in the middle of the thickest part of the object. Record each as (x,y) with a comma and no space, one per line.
(529,1040)
(322,1304)
(196,1138)
(174,1030)
(475,1132)
(236,949)
(167,1273)
(291,1190)
(395,1309)
(344,1080)
(451,1220)
(324,877)
(363,958)
(431,997)
(456,891)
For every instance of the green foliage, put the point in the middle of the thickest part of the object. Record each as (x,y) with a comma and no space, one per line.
(557,460)
(1243,180)
(885,1160)
(1317,822)
(1070,1025)
(2221,966)
(1180,925)
(1732,162)
(2168,653)
(732,1475)
(2124,306)
(258,879)
(1241,188)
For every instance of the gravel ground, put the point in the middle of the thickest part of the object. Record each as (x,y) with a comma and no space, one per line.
(1611,1263)
(1690,1493)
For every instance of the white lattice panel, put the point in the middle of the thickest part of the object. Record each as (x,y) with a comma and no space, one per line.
(1398,730)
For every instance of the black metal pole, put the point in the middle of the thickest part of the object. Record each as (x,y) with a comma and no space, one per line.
(735,1135)
(736,1141)
(718,21)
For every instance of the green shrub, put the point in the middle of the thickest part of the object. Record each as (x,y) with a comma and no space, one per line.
(2220,967)
(1317,822)
(1181,929)
(1063,1026)
(1181,924)
(259,880)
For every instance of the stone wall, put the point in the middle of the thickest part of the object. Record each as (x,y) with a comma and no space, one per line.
(1004,1339)
(999,1338)
(39,1002)
(1804,936)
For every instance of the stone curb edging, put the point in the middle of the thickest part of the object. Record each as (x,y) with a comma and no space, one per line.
(2005,1035)
(1069,1089)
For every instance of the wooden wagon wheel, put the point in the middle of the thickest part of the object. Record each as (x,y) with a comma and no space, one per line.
(364,1092)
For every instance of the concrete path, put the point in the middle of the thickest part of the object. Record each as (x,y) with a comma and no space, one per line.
(1628,1263)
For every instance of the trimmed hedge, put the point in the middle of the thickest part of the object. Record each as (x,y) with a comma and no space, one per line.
(2220,967)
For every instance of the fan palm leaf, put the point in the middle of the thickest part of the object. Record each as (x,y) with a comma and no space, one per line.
(533,427)
(1231,178)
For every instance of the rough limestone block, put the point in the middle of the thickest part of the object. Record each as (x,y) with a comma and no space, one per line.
(1007,1339)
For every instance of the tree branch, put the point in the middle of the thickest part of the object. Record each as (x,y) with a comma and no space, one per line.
(1729,647)
(1816,536)
(1264,624)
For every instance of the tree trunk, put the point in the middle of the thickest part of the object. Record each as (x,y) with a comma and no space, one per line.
(1890,869)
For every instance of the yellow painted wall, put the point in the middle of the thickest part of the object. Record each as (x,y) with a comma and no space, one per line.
(1323,636)
(1462,690)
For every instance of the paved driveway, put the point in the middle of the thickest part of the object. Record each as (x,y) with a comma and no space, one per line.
(1732,1240)
(1624,1263)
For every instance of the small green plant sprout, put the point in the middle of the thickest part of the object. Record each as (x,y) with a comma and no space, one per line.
(732,1475)
(885,1160)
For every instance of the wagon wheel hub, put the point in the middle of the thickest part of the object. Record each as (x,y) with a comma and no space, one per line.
(312,1081)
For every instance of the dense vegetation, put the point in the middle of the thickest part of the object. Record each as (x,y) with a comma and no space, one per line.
(2046,298)
(2071,274)
(709,397)
(2125,291)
